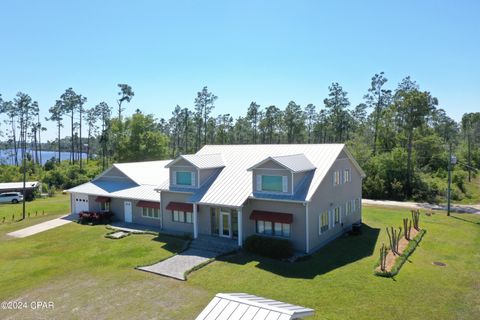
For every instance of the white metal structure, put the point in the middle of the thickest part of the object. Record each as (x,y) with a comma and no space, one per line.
(143,177)
(233,184)
(80,202)
(242,306)
(128,211)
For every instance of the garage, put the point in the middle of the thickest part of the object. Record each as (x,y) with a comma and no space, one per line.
(80,202)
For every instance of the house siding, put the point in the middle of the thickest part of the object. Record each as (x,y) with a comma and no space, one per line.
(272,172)
(115,174)
(183,165)
(168,223)
(297,232)
(327,197)
(205,174)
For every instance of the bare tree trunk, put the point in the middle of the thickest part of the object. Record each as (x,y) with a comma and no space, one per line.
(80,149)
(59,144)
(72,151)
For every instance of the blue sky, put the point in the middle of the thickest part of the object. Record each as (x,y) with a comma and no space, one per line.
(270,52)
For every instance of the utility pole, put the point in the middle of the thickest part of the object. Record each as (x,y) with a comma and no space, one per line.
(451,161)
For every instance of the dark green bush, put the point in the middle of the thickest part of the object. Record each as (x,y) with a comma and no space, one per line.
(269,247)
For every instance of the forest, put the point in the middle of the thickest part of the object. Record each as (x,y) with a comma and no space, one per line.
(399,134)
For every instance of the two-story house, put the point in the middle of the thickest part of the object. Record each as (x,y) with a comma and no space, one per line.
(309,194)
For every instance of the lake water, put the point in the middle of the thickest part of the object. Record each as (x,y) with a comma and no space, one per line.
(7,156)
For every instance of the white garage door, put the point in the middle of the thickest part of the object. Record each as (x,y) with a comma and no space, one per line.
(80,202)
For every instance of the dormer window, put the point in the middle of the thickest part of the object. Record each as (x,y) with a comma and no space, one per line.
(270,183)
(184,178)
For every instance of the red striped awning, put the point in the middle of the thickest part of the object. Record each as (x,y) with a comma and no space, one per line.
(180,206)
(272,216)
(148,204)
(102,199)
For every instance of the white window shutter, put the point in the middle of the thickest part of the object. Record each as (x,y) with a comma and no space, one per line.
(259,182)
(334,177)
(174,177)
(193,179)
(284,183)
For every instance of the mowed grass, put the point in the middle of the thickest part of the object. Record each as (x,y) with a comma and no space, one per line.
(89,276)
(56,205)
(338,281)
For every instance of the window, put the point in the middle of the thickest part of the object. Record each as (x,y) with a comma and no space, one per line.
(336,178)
(346,176)
(323,222)
(337,215)
(348,207)
(150,213)
(183,178)
(181,216)
(272,183)
(105,206)
(357,204)
(270,228)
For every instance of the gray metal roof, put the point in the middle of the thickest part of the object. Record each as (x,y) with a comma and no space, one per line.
(117,189)
(146,172)
(144,176)
(19,185)
(294,162)
(233,184)
(201,161)
(242,306)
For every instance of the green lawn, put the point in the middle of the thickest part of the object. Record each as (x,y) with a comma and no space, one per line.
(473,189)
(56,205)
(89,276)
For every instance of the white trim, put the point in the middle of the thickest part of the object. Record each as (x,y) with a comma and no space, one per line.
(259,182)
(285,184)
(198,178)
(292,184)
(195,221)
(240,227)
(307,237)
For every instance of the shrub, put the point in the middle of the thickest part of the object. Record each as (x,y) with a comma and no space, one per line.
(269,247)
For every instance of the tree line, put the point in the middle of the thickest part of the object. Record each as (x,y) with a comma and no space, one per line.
(399,135)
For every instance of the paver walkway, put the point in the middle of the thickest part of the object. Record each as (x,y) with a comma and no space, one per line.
(44,226)
(176,266)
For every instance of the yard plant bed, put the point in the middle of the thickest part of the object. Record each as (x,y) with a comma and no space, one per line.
(394,261)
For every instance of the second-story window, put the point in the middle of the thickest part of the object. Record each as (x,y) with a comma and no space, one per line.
(183,178)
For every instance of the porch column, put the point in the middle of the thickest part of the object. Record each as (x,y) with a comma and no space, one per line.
(240,227)
(195,221)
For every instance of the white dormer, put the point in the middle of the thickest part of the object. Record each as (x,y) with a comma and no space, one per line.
(280,174)
(191,171)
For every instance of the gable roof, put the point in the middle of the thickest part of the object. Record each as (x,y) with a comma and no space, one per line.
(117,189)
(201,161)
(294,162)
(233,184)
(145,172)
(242,306)
(140,185)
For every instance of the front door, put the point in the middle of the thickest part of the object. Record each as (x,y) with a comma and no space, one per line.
(225,224)
(128,211)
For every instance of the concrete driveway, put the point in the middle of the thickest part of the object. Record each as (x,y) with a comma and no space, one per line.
(44,226)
